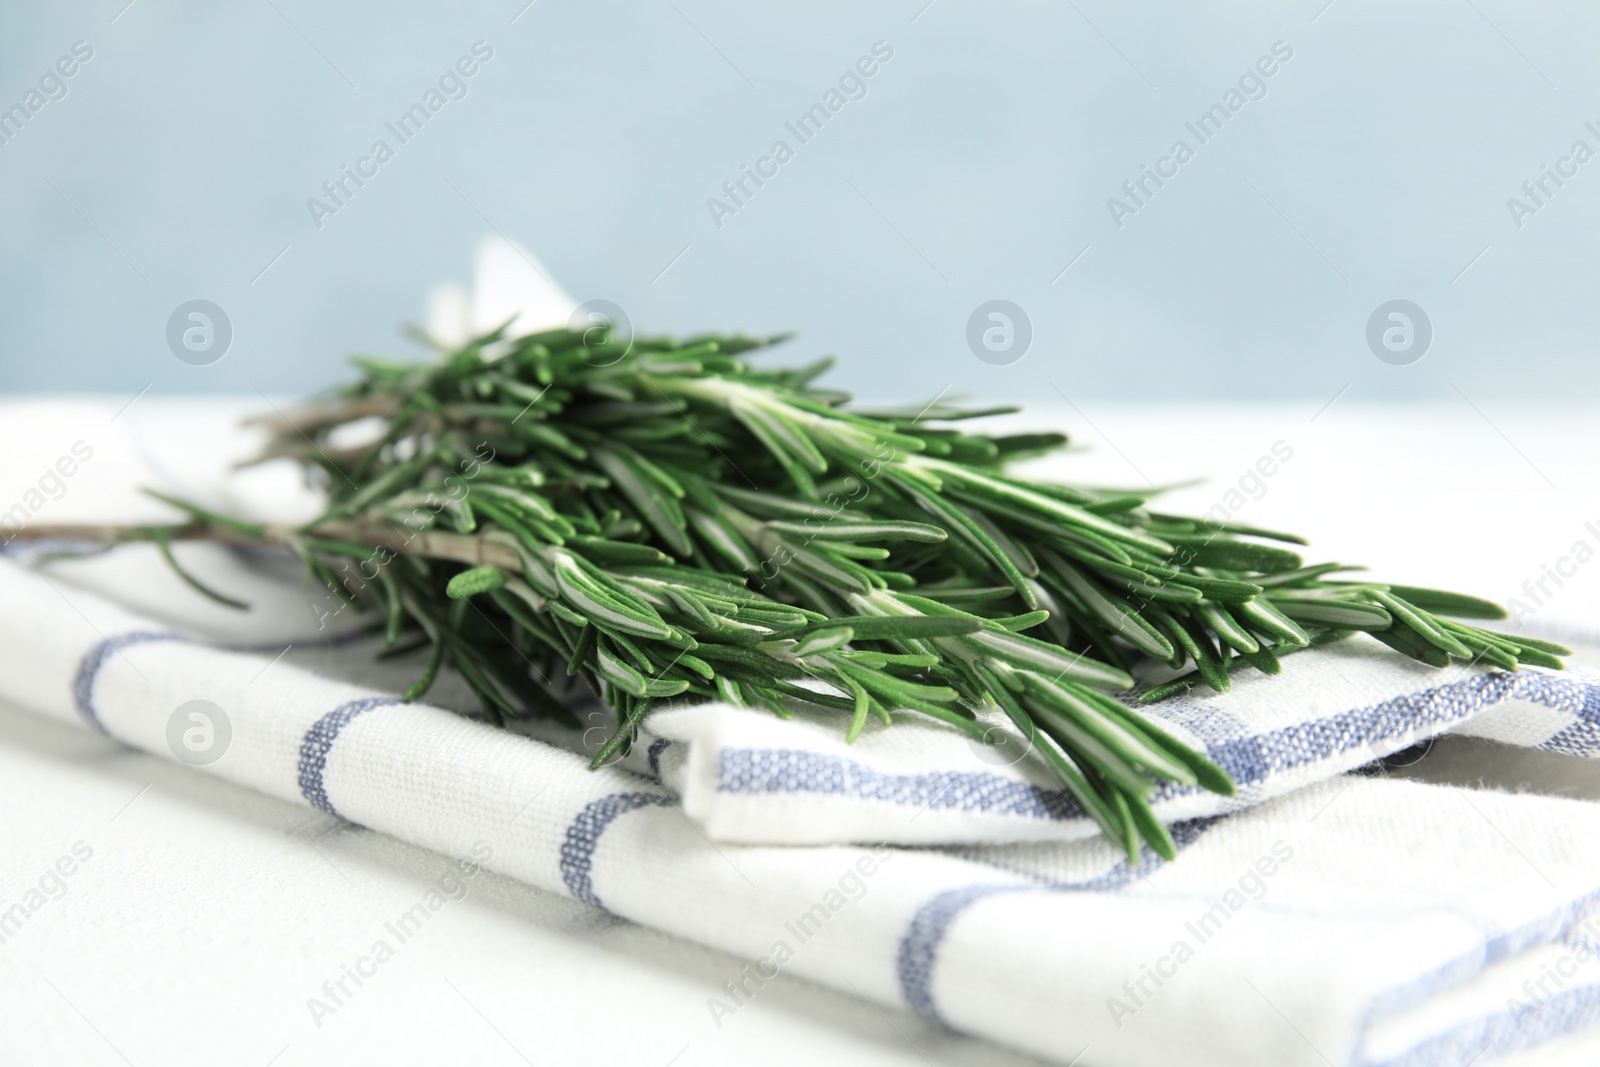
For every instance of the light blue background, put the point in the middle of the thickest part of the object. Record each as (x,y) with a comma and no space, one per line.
(1377,167)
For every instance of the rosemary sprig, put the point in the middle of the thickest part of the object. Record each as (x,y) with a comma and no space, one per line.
(665,521)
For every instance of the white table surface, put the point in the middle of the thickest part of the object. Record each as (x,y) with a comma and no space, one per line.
(209,914)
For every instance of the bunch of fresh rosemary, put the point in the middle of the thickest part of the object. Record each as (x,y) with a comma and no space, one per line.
(667,522)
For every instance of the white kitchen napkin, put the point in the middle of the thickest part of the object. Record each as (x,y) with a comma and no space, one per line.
(1359,921)
(750,777)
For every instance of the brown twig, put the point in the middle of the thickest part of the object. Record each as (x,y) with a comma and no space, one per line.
(495,547)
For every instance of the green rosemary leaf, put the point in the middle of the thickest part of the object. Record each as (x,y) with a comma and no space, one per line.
(593,599)
(1226,627)
(658,507)
(1212,551)
(1131,745)
(1185,647)
(823,640)
(429,673)
(723,538)
(394,617)
(475,581)
(250,530)
(1406,641)
(769,504)
(1476,638)
(1440,602)
(1534,657)
(1525,641)
(1239,529)
(1301,575)
(1518,648)
(1193,678)
(1120,616)
(1072,779)
(968,594)
(1073,736)
(624,736)
(1209,662)
(729,691)
(1347,613)
(615,553)
(1018,623)
(1157,693)
(979,538)
(861,710)
(862,531)
(1140,577)
(1029,499)
(788,442)
(1150,828)
(1119,799)
(1263,659)
(891,627)
(834,571)
(1224,590)
(165,545)
(1019,650)
(1024,445)
(1263,617)
(1207,774)
(1425,627)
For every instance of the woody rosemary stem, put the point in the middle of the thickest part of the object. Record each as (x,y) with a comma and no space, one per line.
(480,550)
